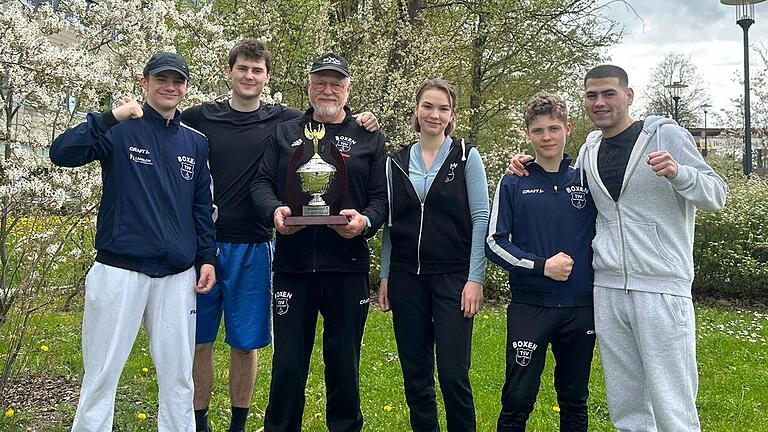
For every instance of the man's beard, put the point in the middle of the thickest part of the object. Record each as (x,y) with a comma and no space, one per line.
(325,110)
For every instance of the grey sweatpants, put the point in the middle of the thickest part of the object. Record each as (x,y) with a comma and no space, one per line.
(647,346)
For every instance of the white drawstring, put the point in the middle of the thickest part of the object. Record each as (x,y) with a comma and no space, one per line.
(388,170)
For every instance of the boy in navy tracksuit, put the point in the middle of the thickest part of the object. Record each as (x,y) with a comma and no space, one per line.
(540,230)
(155,224)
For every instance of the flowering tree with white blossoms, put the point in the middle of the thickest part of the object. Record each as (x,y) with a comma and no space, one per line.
(55,65)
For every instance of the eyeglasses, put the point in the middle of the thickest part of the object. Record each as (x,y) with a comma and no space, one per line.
(336,87)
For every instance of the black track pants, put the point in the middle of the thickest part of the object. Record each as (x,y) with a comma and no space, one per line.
(529,330)
(343,300)
(428,320)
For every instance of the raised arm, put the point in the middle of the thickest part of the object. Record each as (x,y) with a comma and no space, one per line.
(90,141)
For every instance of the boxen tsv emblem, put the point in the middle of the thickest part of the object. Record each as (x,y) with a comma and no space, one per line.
(187,167)
(281,302)
(524,351)
(578,196)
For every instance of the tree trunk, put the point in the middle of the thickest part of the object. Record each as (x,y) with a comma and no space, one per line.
(479,41)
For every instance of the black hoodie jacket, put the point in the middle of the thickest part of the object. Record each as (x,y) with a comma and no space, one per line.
(319,248)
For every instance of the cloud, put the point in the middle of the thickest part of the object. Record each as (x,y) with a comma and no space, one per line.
(706,30)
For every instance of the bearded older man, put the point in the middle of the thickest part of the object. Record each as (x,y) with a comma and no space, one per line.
(321,268)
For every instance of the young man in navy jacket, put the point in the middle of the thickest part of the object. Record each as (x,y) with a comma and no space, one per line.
(540,230)
(155,224)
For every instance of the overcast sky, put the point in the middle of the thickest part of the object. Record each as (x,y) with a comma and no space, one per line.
(706,30)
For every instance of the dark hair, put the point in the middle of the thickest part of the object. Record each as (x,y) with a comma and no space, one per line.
(250,49)
(608,71)
(543,103)
(448,89)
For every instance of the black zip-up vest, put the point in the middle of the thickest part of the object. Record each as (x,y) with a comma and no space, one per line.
(434,236)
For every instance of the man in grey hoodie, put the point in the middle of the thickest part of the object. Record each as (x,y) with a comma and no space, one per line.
(647,179)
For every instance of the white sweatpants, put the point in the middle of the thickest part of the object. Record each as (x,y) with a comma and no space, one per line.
(116,301)
(648,350)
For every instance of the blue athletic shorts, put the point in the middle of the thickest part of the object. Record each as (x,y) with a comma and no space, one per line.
(243,290)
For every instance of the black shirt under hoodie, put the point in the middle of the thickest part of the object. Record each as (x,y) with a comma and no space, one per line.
(237,141)
(319,248)
(613,157)
(435,238)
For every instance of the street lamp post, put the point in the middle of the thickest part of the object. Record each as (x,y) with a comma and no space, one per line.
(706,106)
(745,13)
(676,88)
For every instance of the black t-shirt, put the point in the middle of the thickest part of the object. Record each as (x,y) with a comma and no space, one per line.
(236,143)
(613,157)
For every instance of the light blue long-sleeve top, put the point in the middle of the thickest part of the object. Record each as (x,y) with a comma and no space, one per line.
(477,189)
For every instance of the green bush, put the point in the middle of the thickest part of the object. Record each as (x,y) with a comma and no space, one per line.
(731,247)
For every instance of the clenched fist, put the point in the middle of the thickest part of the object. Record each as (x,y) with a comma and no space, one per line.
(127,109)
(559,267)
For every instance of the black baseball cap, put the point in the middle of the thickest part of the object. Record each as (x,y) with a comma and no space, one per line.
(330,61)
(165,61)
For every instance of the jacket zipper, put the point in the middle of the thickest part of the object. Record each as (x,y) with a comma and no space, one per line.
(623,248)
(421,217)
(418,246)
(557,237)
(163,147)
(314,250)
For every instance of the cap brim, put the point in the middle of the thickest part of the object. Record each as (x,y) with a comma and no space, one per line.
(159,69)
(334,68)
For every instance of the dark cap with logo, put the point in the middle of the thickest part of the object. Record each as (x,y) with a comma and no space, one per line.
(332,62)
(165,61)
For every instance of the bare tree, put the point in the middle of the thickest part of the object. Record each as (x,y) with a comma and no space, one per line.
(676,67)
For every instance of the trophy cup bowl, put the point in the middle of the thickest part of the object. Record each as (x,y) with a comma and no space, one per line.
(316,176)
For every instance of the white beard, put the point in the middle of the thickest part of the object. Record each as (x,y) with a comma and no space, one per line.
(327,110)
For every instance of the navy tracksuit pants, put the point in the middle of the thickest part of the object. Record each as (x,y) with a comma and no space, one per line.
(530,329)
(429,323)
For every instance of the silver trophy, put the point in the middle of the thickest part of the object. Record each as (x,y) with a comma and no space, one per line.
(316,176)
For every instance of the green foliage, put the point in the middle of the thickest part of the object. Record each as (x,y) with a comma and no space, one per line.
(498,53)
(731,246)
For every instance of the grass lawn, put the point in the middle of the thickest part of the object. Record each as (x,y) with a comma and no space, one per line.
(732,354)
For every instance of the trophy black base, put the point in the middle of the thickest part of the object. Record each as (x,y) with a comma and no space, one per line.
(316,220)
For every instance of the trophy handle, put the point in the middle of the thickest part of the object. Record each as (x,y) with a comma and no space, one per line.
(341,175)
(293,191)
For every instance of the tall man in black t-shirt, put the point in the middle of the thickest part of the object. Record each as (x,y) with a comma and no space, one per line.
(238,130)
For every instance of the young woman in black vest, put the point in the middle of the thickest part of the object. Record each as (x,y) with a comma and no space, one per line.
(433,259)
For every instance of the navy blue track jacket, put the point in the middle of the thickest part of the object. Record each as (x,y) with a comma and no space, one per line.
(534,218)
(156,211)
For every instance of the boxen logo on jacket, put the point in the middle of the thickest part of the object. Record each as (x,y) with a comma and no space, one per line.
(187,166)
(578,195)
(344,143)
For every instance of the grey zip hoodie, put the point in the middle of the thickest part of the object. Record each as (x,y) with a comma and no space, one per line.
(644,241)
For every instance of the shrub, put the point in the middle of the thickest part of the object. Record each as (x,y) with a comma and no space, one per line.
(731,247)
